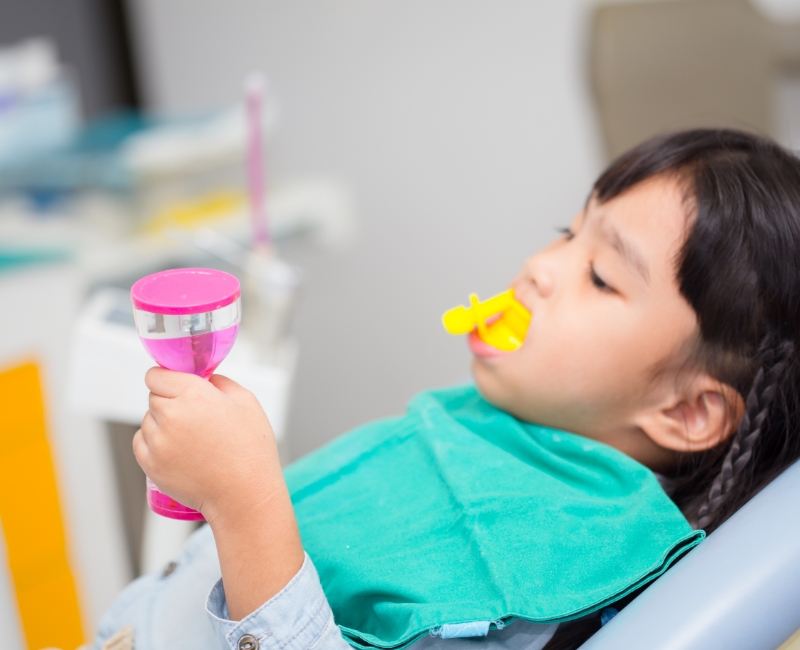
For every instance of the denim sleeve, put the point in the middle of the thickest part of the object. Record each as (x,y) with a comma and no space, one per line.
(296,618)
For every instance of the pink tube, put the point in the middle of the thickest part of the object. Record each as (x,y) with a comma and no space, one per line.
(255,161)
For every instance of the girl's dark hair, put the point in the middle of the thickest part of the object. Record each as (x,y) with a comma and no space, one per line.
(739,269)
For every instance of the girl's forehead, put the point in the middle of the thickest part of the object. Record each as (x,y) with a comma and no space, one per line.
(653,209)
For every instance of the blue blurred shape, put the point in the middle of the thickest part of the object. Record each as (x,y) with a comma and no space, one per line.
(14,259)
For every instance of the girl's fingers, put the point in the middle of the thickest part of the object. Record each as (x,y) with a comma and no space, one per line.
(141,451)
(168,383)
(157,405)
(148,428)
(233,390)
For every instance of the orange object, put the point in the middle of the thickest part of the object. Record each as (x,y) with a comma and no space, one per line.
(30,512)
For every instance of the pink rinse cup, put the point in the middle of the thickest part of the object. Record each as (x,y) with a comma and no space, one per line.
(187,320)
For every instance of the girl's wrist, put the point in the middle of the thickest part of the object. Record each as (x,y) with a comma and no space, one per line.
(259,549)
(256,501)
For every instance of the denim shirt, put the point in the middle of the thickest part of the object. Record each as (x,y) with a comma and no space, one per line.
(184,607)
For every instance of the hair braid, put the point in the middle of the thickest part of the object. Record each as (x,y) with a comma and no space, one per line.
(774,361)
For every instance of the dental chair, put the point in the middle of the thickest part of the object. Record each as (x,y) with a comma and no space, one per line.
(739,589)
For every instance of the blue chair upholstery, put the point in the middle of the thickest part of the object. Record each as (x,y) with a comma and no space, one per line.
(740,588)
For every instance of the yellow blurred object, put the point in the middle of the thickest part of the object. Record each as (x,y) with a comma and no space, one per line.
(792,643)
(30,512)
(506,332)
(192,214)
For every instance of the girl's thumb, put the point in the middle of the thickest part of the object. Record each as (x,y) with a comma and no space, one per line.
(233,390)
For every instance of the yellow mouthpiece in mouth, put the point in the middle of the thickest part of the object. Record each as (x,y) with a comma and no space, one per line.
(507,320)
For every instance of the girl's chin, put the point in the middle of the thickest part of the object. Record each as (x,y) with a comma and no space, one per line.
(481,348)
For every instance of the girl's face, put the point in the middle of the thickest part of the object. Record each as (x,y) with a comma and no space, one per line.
(606,313)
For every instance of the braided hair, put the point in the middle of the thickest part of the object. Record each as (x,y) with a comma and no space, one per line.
(739,269)
(775,359)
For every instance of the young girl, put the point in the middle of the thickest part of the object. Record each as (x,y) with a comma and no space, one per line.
(664,325)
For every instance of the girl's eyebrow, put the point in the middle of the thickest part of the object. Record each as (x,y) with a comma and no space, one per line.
(628,252)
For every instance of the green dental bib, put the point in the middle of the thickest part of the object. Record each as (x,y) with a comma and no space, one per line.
(457,512)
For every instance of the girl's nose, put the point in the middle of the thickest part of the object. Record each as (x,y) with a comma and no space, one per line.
(543,275)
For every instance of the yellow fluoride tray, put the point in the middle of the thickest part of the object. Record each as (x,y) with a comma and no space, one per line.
(501,321)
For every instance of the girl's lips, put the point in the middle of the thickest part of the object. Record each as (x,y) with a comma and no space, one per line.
(481,348)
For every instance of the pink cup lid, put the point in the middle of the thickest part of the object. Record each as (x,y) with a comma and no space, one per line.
(185,291)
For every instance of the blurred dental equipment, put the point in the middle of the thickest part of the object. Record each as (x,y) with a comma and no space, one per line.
(270,283)
(92,207)
(39,106)
(237,227)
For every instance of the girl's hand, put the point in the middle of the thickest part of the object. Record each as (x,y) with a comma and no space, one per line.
(210,446)
(207,444)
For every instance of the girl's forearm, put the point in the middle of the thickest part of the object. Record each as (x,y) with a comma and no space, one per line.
(259,550)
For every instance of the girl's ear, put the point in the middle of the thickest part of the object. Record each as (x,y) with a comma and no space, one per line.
(697,416)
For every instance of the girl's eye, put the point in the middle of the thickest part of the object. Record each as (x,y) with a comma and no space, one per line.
(568,234)
(598,282)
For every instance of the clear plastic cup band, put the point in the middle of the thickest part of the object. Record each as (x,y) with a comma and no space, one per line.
(173,326)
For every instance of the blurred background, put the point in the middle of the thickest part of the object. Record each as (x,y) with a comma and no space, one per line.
(415,151)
